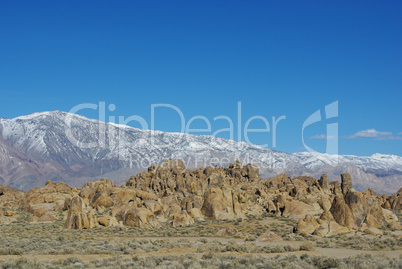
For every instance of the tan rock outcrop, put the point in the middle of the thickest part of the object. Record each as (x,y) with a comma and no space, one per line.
(346,184)
(109,221)
(76,218)
(169,192)
(221,204)
(140,217)
(297,209)
(342,213)
(182,219)
(307,225)
(324,183)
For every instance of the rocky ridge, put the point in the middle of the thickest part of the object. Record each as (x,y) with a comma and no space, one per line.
(170,193)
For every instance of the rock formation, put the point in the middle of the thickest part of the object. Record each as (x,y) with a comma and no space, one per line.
(171,193)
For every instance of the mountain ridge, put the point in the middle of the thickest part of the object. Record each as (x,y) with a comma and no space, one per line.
(46,141)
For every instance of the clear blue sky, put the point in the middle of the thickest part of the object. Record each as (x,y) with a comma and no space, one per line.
(276,57)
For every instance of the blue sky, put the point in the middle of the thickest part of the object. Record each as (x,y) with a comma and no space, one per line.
(278,58)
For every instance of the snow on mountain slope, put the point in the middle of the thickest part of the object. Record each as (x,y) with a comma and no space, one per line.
(73,148)
(376,161)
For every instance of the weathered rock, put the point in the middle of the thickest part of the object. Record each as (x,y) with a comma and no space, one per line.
(195,213)
(108,221)
(76,219)
(103,200)
(170,205)
(253,173)
(327,216)
(362,206)
(182,219)
(307,225)
(346,184)
(50,198)
(372,222)
(324,182)
(154,206)
(342,213)
(335,228)
(389,216)
(221,204)
(277,183)
(297,210)
(9,196)
(395,200)
(171,191)
(369,192)
(140,217)
(325,203)
(146,195)
(336,188)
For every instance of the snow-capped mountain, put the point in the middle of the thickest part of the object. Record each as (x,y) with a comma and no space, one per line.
(66,147)
(376,161)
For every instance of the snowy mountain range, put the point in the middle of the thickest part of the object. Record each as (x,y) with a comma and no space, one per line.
(67,147)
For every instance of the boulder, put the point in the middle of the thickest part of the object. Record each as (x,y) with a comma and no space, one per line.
(182,219)
(221,204)
(154,206)
(296,209)
(362,206)
(389,216)
(195,213)
(109,221)
(334,228)
(342,213)
(140,217)
(76,218)
(372,222)
(253,173)
(307,225)
(395,200)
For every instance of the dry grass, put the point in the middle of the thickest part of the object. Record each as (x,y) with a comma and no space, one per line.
(183,247)
(213,261)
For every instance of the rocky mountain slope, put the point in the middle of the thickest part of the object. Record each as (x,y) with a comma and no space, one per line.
(60,146)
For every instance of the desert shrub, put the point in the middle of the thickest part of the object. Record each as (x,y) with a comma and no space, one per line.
(251,238)
(307,246)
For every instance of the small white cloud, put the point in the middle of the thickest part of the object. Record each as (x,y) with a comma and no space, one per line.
(389,138)
(370,133)
(322,136)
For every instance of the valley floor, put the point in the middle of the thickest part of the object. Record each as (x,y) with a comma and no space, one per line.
(24,245)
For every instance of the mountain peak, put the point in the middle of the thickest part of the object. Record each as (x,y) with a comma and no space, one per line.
(49,147)
(53,113)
